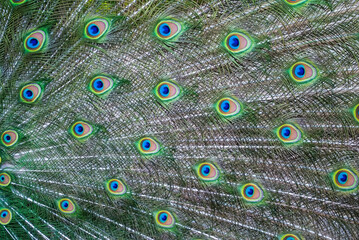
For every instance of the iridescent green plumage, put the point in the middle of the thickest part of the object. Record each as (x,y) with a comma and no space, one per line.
(162,119)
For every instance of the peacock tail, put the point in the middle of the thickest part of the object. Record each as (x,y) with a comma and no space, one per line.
(161,119)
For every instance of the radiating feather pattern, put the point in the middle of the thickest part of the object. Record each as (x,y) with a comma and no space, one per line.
(49,163)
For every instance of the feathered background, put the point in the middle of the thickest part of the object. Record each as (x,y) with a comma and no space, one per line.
(179,119)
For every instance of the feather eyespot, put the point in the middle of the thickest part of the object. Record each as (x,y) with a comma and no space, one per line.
(17,2)
(5,216)
(9,138)
(167,91)
(5,179)
(207,172)
(252,193)
(165,219)
(289,236)
(168,29)
(81,130)
(228,107)
(303,72)
(66,206)
(96,28)
(148,146)
(116,187)
(30,93)
(101,85)
(345,179)
(295,2)
(356,112)
(288,133)
(237,42)
(35,41)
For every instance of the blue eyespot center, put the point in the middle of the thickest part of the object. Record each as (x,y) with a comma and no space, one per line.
(114,186)
(93,30)
(79,129)
(98,84)
(206,170)
(163,217)
(225,106)
(290,238)
(249,191)
(299,71)
(28,94)
(164,90)
(4,214)
(65,204)
(2,178)
(146,145)
(343,178)
(7,138)
(33,42)
(165,30)
(234,42)
(286,132)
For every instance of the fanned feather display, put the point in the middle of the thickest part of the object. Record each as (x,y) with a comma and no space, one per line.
(163,119)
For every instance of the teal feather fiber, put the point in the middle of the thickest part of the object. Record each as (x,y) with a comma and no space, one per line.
(211,120)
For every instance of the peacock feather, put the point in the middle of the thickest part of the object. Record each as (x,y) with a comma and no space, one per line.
(163,119)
